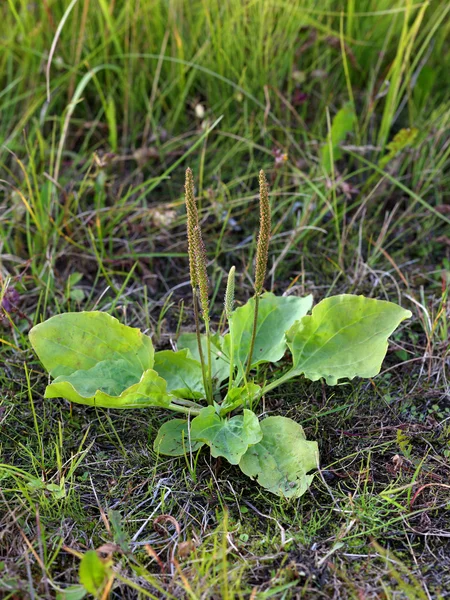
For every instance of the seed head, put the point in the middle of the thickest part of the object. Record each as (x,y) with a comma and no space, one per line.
(192,223)
(262,248)
(201,273)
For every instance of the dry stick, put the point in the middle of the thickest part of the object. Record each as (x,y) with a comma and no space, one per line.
(262,253)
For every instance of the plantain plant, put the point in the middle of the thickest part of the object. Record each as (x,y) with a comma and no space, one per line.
(213,381)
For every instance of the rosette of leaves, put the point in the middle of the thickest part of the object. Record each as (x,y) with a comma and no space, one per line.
(95,360)
(215,381)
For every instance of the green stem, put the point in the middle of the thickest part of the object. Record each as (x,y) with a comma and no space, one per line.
(183,409)
(209,392)
(188,403)
(199,343)
(230,377)
(289,375)
(252,343)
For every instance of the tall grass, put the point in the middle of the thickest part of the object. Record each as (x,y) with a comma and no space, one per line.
(148,80)
(151,61)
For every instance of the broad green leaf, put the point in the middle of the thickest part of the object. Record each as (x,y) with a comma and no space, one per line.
(226,437)
(78,341)
(73,592)
(93,572)
(174,439)
(149,391)
(109,376)
(182,374)
(276,314)
(239,396)
(281,460)
(345,336)
(220,364)
(342,125)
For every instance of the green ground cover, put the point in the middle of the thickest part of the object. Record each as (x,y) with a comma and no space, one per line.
(346,107)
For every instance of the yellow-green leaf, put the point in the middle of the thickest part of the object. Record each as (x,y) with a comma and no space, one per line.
(78,341)
(344,337)
(229,438)
(93,572)
(149,391)
(281,460)
(182,373)
(276,314)
(220,365)
(174,439)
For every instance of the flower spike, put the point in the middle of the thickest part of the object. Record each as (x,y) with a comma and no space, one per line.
(192,223)
(262,249)
(262,254)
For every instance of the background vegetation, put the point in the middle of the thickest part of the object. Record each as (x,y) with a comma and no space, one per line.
(345,104)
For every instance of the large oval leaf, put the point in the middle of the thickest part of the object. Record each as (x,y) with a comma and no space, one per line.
(78,341)
(345,336)
(276,314)
(174,439)
(229,438)
(109,376)
(183,374)
(281,460)
(220,365)
(149,391)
